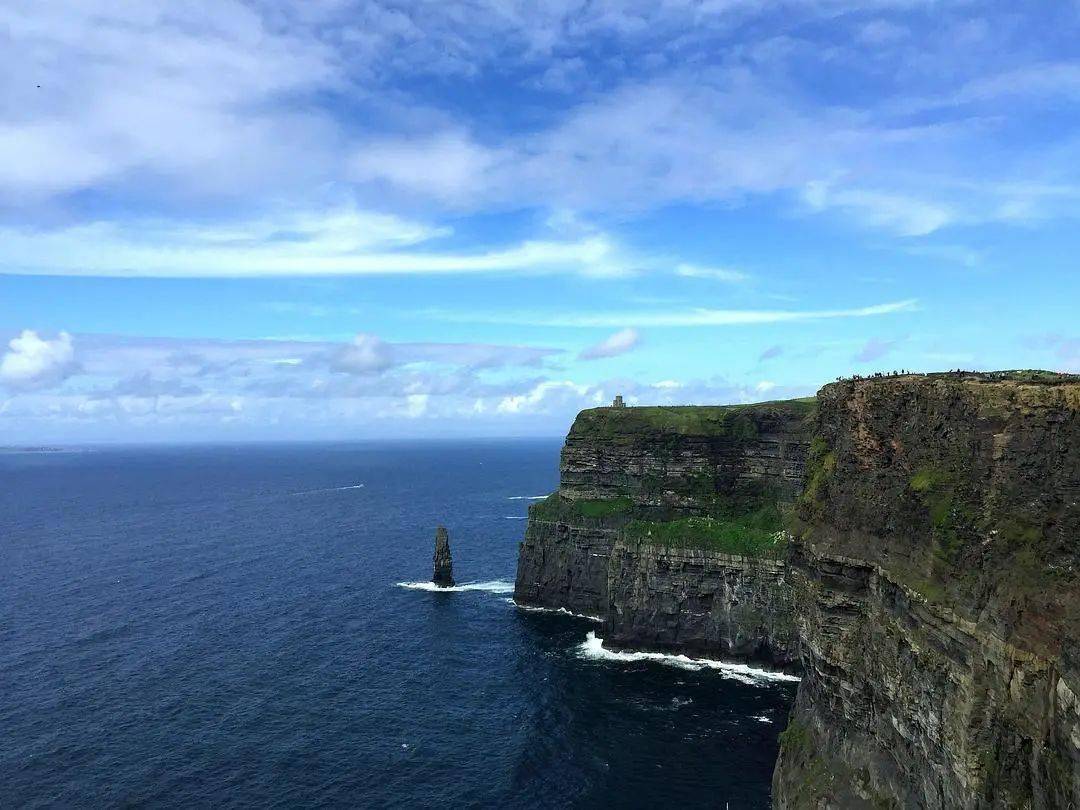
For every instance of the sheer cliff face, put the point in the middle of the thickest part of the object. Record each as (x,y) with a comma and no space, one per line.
(936,578)
(622,466)
(676,458)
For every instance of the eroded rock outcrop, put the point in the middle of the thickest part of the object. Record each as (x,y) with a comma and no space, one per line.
(443,575)
(936,571)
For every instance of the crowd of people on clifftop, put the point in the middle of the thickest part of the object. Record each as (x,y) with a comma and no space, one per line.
(881,375)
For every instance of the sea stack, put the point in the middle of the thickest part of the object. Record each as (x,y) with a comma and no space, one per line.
(444,564)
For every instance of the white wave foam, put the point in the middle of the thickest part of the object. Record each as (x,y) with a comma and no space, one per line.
(593,648)
(329,489)
(526,497)
(563,611)
(515,517)
(761,718)
(491,586)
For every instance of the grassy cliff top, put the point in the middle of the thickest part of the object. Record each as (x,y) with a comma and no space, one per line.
(736,421)
(1015,377)
(997,393)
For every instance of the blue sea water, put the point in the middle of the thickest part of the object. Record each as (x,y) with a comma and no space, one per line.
(186,627)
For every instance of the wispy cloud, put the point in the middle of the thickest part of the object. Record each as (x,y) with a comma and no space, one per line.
(681,318)
(320,243)
(623,341)
(874,349)
(714,273)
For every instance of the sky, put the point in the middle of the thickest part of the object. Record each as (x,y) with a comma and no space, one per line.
(340,219)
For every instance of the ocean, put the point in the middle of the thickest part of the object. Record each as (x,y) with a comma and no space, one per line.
(249,626)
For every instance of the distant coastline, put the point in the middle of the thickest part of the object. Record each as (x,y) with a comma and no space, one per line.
(35,449)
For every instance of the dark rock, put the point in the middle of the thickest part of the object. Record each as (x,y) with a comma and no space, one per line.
(930,589)
(936,574)
(444,564)
(623,464)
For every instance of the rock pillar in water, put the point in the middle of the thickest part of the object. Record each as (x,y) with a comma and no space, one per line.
(444,564)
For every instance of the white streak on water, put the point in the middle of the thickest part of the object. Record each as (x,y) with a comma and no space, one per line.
(515,517)
(564,611)
(328,489)
(491,586)
(592,648)
(526,497)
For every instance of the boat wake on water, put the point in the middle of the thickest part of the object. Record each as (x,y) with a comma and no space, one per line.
(328,489)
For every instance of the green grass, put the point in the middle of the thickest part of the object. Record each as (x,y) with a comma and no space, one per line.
(709,534)
(738,422)
(820,465)
(603,508)
(796,739)
(928,478)
(556,508)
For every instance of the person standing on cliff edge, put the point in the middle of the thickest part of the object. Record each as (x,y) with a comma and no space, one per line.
(444,564)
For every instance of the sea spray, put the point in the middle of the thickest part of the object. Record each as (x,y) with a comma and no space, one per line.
(593,648)
(498,586)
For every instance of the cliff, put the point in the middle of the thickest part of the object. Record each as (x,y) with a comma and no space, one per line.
(927,583)
(668,525)
(935,573)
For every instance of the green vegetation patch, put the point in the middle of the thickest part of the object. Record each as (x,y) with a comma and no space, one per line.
(739,537)
(556,508)
(603,508)
(950,516)
(820,466)
(739,422)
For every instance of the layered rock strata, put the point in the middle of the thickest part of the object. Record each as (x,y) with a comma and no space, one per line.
(930,588)
(626,468)
(936,571)
(443,563)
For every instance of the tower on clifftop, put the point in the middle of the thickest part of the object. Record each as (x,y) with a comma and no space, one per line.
(618,402)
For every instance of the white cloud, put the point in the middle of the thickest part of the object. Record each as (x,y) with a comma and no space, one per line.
(32,362)
(99,91)
(416,405)
(684,318)
(543,397)
(157,100)
(366,354)
(715,273)
(448,166)
(903,215)
(621,342)
(334,242)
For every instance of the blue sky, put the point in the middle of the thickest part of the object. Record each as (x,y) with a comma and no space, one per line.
(338,219)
